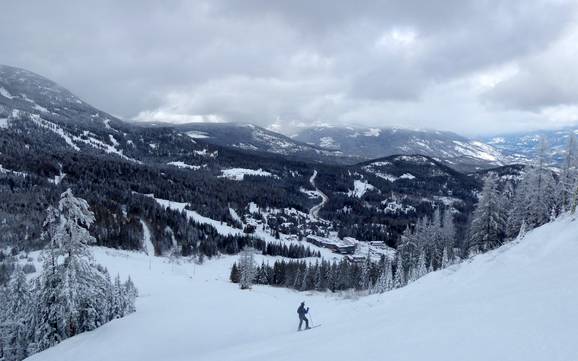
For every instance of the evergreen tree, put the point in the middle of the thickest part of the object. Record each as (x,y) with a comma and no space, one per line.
(262,277)
(247,269)
(489,219)
(15,319)
(399,277)
(235,276)
(449,237)
(305,283)
(542,191)
(118,299)
(365,273)
(522,232)
(384,281)
(445,258)
(298,280)
(421,269)
(74,295)
(319,282)
(568,178)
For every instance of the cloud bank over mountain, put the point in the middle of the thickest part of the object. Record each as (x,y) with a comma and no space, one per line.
(467,66)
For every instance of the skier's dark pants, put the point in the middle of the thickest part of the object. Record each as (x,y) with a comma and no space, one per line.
(301,319)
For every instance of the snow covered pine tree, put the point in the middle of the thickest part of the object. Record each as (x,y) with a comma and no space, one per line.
(247,269)
(489,219)
(70,296)
(15,318)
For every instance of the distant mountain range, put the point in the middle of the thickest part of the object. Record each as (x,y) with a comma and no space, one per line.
(523,147)
(252,138)
(349,145)
(449,148)
(352,145)
(81,125)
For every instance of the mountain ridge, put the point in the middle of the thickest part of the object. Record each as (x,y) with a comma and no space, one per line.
(373,143)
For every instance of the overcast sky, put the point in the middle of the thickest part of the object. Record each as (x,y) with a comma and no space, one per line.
(473,67)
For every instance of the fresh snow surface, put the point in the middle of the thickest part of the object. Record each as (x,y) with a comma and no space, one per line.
(5,93)
(107,123)
(57,178)
(197,134)
(235,215)
(476,150)
(184,165)
(253,208)
(246,146)
(497,140)
(40,108)
(12,172)
(515,303)
(327,142)
(111,137)
(396,207)
(147,244)
(360,187)
(386,176)
(372,132)
(206,153)
(238,174)
(407,176)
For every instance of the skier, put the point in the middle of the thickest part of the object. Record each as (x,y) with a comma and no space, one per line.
(302,311)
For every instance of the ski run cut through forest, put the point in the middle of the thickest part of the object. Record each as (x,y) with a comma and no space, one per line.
(516,302)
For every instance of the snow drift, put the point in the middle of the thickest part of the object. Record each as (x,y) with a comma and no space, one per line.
(518,302)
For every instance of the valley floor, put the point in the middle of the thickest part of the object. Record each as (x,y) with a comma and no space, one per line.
(519,302)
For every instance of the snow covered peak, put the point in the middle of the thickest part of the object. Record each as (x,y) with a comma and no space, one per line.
(24,85)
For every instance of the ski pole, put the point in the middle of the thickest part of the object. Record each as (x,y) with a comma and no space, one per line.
(310,318)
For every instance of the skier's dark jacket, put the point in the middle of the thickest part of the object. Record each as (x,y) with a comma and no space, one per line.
(302,311)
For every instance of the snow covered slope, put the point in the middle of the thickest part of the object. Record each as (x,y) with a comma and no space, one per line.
(515,303)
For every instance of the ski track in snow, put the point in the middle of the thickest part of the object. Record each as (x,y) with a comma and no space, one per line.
(314,211)
(514,303)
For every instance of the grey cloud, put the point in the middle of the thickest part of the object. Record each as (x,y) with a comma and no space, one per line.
(301,61)
(546,79)
(534,91)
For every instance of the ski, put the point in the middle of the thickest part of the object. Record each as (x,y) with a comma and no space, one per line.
(309,328)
